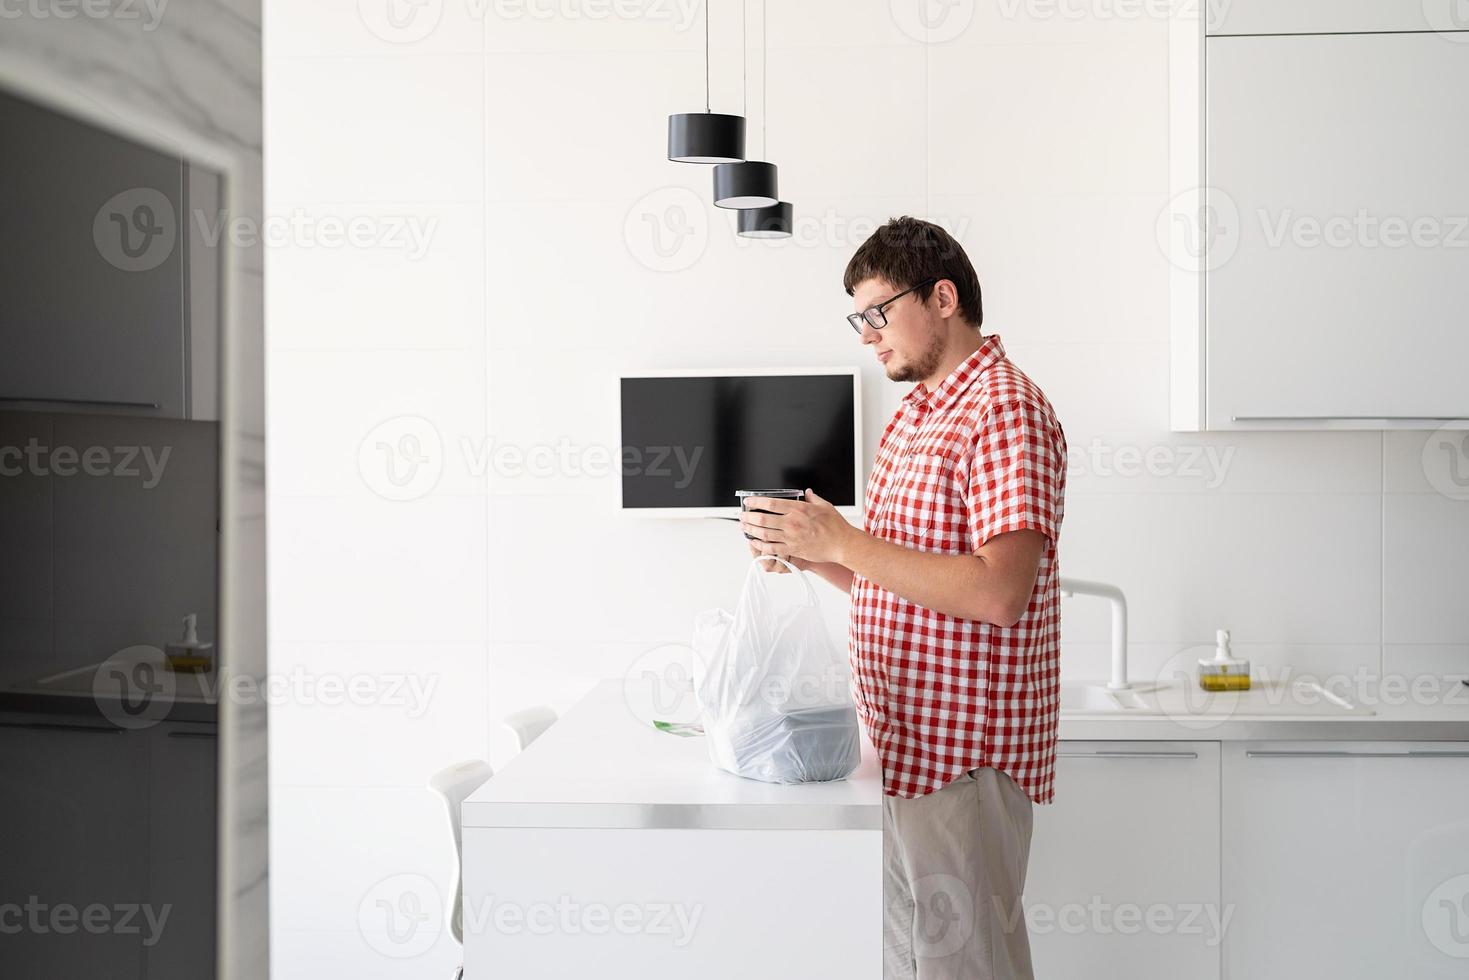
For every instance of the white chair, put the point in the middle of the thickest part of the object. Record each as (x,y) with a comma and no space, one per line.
(528,724)
(455,784)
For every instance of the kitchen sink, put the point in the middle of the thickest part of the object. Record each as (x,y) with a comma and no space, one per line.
(1276,699)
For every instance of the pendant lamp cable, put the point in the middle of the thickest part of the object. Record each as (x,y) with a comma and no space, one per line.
(706,56)
(764,57)
(744,63)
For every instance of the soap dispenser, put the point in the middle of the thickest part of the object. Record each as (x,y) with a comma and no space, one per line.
(188,655)
(1225,671)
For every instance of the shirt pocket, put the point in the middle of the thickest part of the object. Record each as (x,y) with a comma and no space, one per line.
(924,508)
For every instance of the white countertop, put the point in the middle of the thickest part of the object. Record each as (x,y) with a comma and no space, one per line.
(602,766)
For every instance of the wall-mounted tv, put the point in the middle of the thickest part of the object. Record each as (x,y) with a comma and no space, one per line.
(690,439)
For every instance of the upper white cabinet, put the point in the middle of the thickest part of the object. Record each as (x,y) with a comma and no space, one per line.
(1319,229)
(1346,860)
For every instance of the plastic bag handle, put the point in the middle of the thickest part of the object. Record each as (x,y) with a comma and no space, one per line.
(811,599)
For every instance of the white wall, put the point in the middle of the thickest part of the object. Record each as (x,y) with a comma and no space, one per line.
(536,143)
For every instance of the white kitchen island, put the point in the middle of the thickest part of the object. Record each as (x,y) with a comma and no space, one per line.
(610,849)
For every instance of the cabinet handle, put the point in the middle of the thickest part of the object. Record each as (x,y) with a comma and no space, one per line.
(1349,418)
(79,401)
(1127,754)
(210,735)
(1331,754)
(61,727)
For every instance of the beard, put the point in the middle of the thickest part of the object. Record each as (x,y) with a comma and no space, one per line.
(923,364)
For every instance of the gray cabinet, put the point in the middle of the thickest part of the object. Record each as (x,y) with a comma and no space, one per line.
(110,835)
(75,845)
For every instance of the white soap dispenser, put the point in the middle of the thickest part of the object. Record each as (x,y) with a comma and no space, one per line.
(188,655)
(1225,671)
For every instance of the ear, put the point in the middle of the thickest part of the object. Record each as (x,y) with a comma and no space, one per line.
(947,295)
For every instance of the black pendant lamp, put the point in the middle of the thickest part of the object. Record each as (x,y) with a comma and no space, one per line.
(706,137)
(752,184)
(771,220)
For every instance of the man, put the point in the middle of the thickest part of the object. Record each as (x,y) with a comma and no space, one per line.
(954,635)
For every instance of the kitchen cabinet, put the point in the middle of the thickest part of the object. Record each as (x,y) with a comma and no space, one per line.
(112,293)
(114,824)
(1347,860)
(1320,221)
(1123,878)
(75,839)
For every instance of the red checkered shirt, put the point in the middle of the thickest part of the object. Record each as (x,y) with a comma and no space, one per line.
(981,455)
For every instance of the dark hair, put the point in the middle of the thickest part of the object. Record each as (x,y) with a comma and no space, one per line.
(905,251)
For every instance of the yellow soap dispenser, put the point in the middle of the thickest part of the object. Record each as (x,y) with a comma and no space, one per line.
(1224,672)
(187,654)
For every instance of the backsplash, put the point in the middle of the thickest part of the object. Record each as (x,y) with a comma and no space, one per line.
(108,527)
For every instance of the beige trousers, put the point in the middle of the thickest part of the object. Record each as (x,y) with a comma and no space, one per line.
(954,872)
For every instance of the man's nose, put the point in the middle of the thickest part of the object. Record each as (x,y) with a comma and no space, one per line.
(870,334)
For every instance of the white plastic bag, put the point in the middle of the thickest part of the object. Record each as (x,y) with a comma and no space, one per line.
(775,696)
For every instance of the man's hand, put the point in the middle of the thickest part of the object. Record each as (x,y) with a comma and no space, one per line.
(775,566)
(807,530)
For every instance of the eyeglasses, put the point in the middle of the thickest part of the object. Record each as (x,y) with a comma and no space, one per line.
(875,316)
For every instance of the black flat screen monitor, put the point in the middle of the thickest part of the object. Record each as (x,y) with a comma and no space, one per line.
(690,440)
